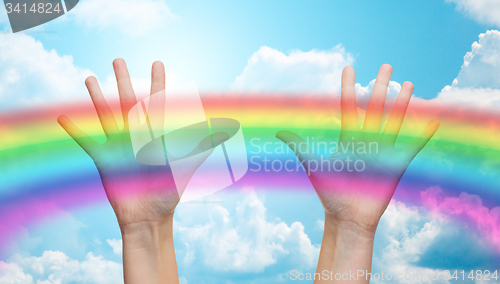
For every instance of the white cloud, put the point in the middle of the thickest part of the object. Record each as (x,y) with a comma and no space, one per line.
(407,237)
(11,273)
(116,245)
(130,17)
(470,97)
(32,76)
(314,71)
(481,67)
(246,241)
(477,84)
(482,11)
(57,267)
(408,233)
(470,208)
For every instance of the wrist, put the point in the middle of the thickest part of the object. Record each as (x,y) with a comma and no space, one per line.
(346,247)
(147,234)
(148,252)
(350,235)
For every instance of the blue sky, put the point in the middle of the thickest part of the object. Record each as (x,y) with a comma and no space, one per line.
(211,43)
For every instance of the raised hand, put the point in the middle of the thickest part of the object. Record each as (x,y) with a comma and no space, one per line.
(356,184)
(361,191)
(143,197)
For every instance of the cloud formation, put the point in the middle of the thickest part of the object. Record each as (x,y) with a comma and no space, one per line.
(133,18)
(57,267)
(319,71)
(271,70)
(315,72)
(481,67)
(416,245)
(468,208)
(32,76)
(11,273)
(477,84)
(246,241)
(405,233)
(482,11)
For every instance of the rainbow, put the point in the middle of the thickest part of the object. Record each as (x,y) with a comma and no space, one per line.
(43,171)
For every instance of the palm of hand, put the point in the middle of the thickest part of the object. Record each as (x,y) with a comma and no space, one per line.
(361,193)
(350,194)
(137,192)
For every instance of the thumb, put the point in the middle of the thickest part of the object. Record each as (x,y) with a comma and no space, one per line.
(297,145)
